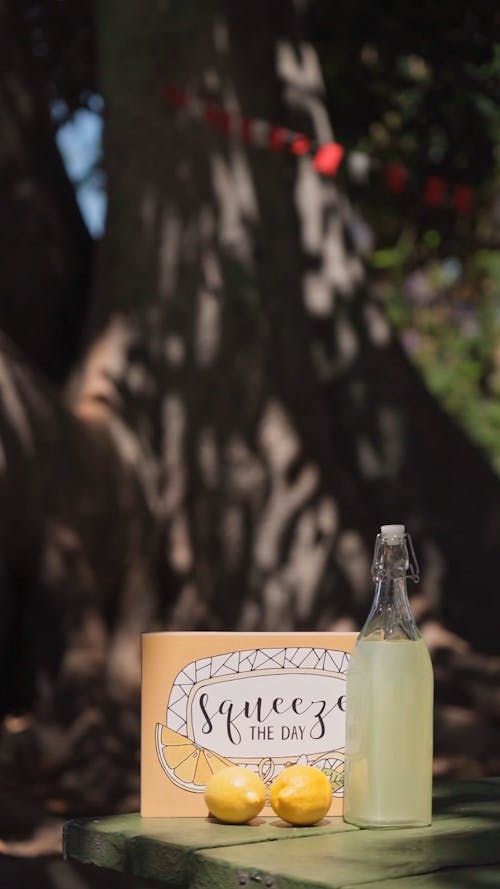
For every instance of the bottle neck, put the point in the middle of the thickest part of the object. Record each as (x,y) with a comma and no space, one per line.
(390,593)
(390,615)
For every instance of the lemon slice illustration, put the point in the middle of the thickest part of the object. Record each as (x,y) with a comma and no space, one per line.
(332,764)
(186,764)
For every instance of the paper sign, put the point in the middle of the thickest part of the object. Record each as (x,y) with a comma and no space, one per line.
(258,700)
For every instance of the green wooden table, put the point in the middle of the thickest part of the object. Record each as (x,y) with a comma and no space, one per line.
(461,850)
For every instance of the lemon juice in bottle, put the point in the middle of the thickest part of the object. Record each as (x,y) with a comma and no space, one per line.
(388,780)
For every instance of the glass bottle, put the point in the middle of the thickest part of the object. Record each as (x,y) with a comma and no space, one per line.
(388,767)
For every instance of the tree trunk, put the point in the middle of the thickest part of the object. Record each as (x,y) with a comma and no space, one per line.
(272,416)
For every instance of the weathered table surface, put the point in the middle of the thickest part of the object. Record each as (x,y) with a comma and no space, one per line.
(461,850)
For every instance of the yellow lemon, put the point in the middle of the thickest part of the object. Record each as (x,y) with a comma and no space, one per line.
(301,795)
(235,795)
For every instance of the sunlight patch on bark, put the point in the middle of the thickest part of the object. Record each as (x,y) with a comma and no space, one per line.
(322,217)
(346,339)
(123,666)
(233,234)
(260,132)
(168,253)
(135,452)
(319,298)
(368,459)
(211,269)
(327,517)
(17,724)
(232,532)
(277,601)
(207,226)
(354,561)
(87,647)
(211,82)
(180,550)
(283,502)
(361,234)
(97,400)
(377,326)
(299,66)
(386,461)
(179,547)
(189,611)
(437,638)
(245,473)
(300,69)
(309,203)
(134,612)
(207,328)
(221,36)
(139,380)
(309,553)
(326,368)
(325,217)
(278,439)
(393,439)
(13,408)
(281,447)
(246,195)
(175,350)
(174,426)
(250,618)
(105,363)
(208,458)
(344,624)
(231,230)
(64,561)
(342,269)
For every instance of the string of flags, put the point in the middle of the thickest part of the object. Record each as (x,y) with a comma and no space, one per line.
(327,158)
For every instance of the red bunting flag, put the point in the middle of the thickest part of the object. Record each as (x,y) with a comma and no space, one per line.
(396,177)
(217,117)
(434,191)
(246,129)
(327,159)
(301,145)
(175,96)
(277,138)
(462,198)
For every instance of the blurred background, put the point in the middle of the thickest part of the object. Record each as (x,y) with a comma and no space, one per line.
(250,311)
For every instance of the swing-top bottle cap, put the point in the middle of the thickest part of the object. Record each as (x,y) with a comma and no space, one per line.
(392,533)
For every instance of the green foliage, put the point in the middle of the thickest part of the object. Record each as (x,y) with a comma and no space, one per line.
(419,86)
(449,319)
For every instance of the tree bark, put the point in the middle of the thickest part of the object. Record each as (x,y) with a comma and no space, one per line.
(76,546)
(209,326)
(275,420)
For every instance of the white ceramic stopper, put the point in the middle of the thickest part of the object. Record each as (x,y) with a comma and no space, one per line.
(392,533)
